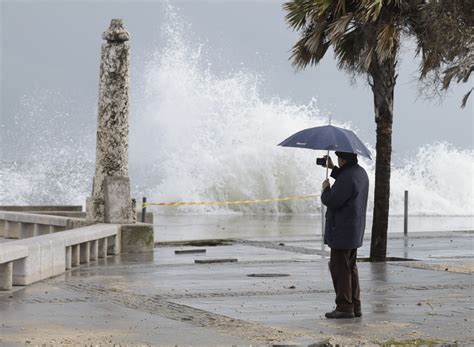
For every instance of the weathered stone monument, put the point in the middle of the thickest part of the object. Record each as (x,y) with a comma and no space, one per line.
(110,201)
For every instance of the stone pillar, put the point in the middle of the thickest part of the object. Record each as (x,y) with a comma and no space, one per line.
(110,201)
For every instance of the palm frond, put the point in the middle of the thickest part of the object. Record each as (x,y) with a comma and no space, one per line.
(338,28)
(340,8)
(387,42)
(350,51)
(298,11)
(316,37)
(371,9)
(465,98)
(368,58)
(302,56)
(323,5)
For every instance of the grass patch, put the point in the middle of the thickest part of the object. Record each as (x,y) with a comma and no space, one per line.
(413,342)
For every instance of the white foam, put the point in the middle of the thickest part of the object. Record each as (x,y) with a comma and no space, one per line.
(199,135)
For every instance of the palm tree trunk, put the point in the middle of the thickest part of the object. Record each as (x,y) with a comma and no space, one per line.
(383,77)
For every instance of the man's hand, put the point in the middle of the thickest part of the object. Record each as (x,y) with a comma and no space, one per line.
(326,184)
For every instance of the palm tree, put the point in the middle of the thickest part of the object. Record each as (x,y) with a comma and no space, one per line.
(365,36)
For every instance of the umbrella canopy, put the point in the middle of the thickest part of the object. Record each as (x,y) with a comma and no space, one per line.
(327,137)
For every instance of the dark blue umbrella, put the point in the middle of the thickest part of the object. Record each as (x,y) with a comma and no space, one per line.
(328,138)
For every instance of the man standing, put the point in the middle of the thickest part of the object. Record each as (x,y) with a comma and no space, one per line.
(346,203)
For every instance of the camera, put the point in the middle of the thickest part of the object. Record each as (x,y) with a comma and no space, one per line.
(321,161)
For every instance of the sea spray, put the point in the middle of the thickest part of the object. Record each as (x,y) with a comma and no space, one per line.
(50,159)
(201,135)
(439,179)
(206,136)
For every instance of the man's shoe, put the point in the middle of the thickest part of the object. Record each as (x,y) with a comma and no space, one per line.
(358,313)
(339,314)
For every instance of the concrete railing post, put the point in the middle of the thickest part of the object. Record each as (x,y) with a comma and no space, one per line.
(2,227)
(27,230)
(76,256)
(55,228)
(94,250)
(85,253)
(103,248)
(6,276)
(113,245)
(42,229)
(12,229)
(68,258)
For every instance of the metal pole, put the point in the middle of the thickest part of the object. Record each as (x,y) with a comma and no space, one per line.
(405,216)
(134,210)
(143,209)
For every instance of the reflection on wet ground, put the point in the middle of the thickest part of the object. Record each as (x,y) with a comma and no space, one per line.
(148,298)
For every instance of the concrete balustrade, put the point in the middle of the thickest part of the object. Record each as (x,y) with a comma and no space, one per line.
(44,250)
(29,260)
(20,225)
(42,208)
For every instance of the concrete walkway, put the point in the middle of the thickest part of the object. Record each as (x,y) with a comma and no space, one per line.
(167,299)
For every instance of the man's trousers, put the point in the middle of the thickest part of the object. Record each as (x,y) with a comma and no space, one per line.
(345,279)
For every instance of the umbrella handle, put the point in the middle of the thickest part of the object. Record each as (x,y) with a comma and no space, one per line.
(327,162)
(327,158)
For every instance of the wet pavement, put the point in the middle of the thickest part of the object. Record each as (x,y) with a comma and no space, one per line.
(166,299)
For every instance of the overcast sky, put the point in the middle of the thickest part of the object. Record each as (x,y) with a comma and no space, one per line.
(55,45)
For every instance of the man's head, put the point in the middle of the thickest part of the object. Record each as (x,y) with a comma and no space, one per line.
(344,158)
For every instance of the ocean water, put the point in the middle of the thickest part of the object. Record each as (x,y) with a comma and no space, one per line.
(197,134)
(209,227)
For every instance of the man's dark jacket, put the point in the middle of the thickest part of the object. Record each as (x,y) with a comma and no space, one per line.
(346,203)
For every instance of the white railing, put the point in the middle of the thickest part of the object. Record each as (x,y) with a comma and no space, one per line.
(21,225)
(29,260)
